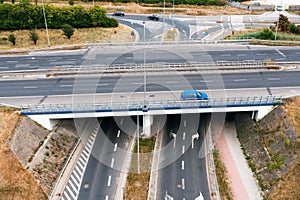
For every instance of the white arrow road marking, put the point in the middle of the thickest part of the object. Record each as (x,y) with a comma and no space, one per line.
(182,183)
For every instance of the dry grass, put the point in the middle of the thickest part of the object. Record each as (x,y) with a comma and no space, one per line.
(289,187)
(292,108)
(138,183)
(15,181)
(81,36)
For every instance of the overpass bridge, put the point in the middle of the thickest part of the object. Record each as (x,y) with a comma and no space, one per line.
(48,114)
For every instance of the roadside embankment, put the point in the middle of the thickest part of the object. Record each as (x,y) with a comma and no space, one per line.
(272,148)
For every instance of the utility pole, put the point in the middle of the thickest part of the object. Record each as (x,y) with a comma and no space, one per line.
(46,23)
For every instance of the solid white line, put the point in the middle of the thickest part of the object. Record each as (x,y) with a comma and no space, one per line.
(112,162)
(119,131)
(76,174)
(109,181)
(73,186)
(30,87)
(66,86)
(70,191)
(183,137)
(273,79)
(11,61)
(183,185)
(66,194)
(115,148)
(75,181)
(80,164)
(182,165)
(183,149)
(239,80)
(282,54)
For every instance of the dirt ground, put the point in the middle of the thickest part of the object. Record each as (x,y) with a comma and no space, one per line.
(15,181)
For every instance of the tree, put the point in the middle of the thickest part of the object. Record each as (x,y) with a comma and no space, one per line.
(1,1)
(33,36)
(12,39)
(267,34)
(68,30)
(283,23)
(71,2)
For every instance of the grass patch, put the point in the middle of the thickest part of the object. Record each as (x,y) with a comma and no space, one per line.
(138,183)
(81,36)
(221,173)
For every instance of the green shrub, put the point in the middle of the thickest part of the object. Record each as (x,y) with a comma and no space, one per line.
(287,142)
(266,34)
(71,2)
(33,36)
(68,30)
(12,39)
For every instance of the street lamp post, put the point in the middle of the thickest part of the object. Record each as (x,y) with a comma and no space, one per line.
(48,38)
(138,140)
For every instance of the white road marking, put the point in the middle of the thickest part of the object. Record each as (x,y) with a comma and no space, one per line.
(102,84)
(137,83)
(70,191)
(112,162)
(239,80)
(226,55)
(30,87)
(184,123)
(273,79)
(183,137)
(116,146)
(106,197)
(183,149)
(121,121)
(205,81)
(182,165)
(66,86)
(261,54)
(242,55)
(109,181)
(3,67)
(182,183)
(119,131)
(171,82)
(11,61)
(282,54)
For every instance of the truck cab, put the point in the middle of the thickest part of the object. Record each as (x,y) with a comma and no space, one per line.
(193,95)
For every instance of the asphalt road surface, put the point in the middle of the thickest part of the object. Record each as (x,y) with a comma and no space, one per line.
(87,85)
(182,168)
(109,157)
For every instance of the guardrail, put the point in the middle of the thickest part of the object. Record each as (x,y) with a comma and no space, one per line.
(160,67)
(146,106)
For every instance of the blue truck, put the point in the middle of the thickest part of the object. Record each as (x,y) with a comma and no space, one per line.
(193,95)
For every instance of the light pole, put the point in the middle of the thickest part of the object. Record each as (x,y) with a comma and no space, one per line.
(138,139)
(46,23)
(144,24)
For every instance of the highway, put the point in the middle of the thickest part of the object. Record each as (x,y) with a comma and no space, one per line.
(182,171)
(117,84)
(185,53)
(110,156)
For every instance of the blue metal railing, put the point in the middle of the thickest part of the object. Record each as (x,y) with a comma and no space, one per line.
(145,106)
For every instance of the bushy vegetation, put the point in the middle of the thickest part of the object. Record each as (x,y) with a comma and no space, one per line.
(192,2)
(27,16)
